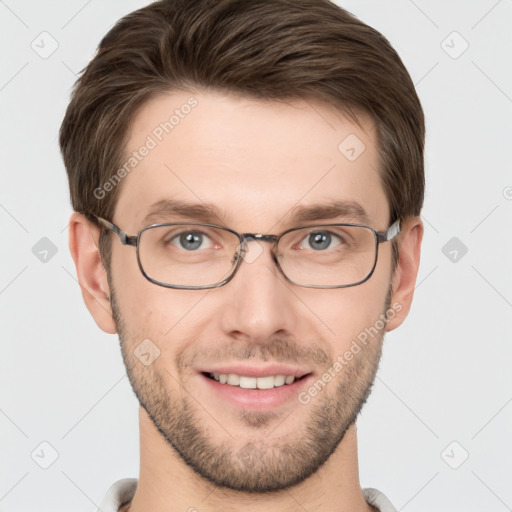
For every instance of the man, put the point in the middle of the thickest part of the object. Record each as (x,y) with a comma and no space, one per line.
(247,179)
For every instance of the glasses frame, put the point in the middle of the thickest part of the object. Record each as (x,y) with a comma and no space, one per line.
(134,240)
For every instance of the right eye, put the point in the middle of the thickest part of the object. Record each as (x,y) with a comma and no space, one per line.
(320,240)
(191,240)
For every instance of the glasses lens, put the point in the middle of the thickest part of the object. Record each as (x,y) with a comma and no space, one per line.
(328,256)
(189,255)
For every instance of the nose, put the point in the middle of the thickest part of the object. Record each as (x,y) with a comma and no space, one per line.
(259,304)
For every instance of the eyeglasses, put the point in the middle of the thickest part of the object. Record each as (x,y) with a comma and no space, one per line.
(191,256)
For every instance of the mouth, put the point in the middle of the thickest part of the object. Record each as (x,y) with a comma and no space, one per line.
(252,389)
(249,382)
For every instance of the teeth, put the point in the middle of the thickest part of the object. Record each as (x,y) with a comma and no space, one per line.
(265,382)
(233,379)
(253,382)
(248,382)
(279,380)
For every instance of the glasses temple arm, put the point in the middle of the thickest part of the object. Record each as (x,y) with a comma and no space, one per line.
(125,239)
(390,233)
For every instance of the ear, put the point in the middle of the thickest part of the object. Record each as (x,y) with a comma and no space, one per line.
(404,277)
(92,276)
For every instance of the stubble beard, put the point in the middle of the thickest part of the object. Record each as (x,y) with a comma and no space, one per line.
(258,463)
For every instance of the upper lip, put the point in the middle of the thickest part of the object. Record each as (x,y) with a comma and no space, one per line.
(259,371)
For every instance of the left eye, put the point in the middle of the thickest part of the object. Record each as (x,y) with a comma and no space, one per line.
(321,240)
(191,240)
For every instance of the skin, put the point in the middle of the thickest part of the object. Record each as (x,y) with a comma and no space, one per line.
(255,161)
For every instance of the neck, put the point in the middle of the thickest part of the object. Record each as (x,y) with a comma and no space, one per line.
(168,484)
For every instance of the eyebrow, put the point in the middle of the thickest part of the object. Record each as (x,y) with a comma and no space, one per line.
(331,210)
(166,209)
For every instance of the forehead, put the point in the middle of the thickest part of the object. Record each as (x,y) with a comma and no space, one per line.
(252,161)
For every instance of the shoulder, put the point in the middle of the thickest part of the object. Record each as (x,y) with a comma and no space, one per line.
(119,493)
(377,499)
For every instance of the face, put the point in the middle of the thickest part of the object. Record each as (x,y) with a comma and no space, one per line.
(255,164)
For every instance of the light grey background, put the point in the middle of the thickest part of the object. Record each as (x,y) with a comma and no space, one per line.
(445,375)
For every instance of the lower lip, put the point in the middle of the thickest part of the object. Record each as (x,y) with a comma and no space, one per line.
(257,399)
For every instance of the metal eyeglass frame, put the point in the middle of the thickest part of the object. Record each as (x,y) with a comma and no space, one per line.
(380,237)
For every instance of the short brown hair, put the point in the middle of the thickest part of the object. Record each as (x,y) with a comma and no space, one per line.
(279,49)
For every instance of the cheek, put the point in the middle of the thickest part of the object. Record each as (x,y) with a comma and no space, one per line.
(153,311)
(167,317)
(347,312)
(350,314)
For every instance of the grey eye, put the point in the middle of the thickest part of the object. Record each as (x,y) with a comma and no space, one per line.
(320,240)
(191,240)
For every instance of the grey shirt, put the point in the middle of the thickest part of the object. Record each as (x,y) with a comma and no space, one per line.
(123,491)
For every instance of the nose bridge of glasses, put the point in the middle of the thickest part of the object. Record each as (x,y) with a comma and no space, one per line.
(258,249)
(258,237)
